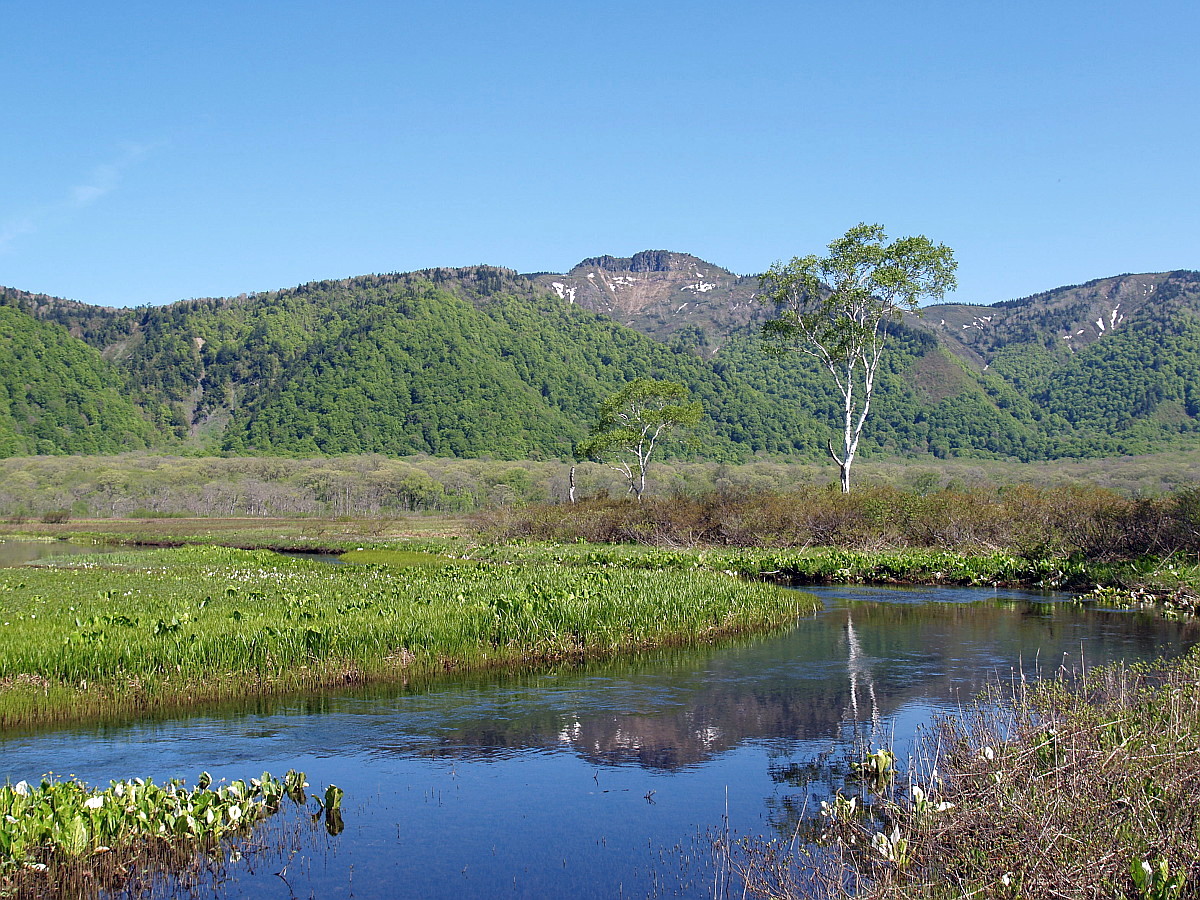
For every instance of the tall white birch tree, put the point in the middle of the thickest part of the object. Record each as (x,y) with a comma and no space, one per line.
(835,308)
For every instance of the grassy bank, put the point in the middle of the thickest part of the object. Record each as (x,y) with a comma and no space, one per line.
(1123,583)
(1085,790)
(121,634)
(1066,790)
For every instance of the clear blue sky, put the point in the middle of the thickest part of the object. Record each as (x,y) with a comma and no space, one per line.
(157,151)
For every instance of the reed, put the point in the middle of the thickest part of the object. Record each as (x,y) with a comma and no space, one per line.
(121,634)
(1072,788)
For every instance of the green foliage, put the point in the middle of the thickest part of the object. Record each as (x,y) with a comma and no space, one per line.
(1136,386)
(479,362)
(57,395)
(472,362)
(124,633)
(55,822)
(1156,881)
(834,309)
(634,421)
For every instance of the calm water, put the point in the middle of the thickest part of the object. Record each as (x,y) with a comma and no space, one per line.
(602,781)
(17,553)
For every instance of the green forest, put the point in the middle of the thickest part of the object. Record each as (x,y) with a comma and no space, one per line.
(484,363)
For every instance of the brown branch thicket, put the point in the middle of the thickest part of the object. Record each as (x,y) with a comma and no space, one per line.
(1097,523)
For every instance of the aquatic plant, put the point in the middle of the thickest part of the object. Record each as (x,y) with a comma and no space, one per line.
(122,633)
(877,769)
(53,827)
(1156,881)
(815,565)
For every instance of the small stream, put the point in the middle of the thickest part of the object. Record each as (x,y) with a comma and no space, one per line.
(603,780)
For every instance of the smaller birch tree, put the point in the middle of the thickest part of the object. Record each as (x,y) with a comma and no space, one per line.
(836,308)
(633,422)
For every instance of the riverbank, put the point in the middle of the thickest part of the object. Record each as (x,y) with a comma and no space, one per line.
(125,634)
(160,630)
(1056,790)
(1170,581)
(1173,577)
(1089,790)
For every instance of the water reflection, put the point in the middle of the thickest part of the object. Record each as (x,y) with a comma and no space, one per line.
(20,552)
(574,780)
(858,662)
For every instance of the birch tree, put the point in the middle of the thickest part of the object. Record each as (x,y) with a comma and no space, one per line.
(836,308)
(633,422)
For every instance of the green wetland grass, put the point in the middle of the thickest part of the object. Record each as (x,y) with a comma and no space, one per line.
(123,634)
(823,565)
(1066,789)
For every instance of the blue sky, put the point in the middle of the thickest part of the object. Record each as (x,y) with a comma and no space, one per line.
(158,151)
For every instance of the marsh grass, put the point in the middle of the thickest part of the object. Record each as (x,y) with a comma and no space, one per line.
(298,533)
(1077,788)
(118,634)
(1171,582)
(420,559)
(818,565)
(1080,787)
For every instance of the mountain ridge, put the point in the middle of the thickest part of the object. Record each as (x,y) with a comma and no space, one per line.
(484,360)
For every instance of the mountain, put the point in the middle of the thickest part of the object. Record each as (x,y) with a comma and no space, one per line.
(660,293)
(1115,360)
(58,395)
(1061,321)
(468,362)
(483,361)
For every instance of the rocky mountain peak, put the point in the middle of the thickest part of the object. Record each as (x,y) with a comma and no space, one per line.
(658,292)
(645,261)
(1063,320)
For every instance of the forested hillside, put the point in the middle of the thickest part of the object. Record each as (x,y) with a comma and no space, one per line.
(485,362)
(1112,365)
(58,395)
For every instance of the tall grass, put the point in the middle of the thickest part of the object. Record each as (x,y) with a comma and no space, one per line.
(123,633)
(1074,788)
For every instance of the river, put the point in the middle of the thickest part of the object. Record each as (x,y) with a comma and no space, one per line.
(603,780)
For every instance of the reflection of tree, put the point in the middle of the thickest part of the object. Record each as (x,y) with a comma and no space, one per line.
(850,667)
(860,670)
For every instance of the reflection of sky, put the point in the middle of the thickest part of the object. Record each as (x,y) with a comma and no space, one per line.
(831,594)
(596,781)
(17,553)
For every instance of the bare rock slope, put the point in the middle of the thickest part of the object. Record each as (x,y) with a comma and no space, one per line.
(659,293)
